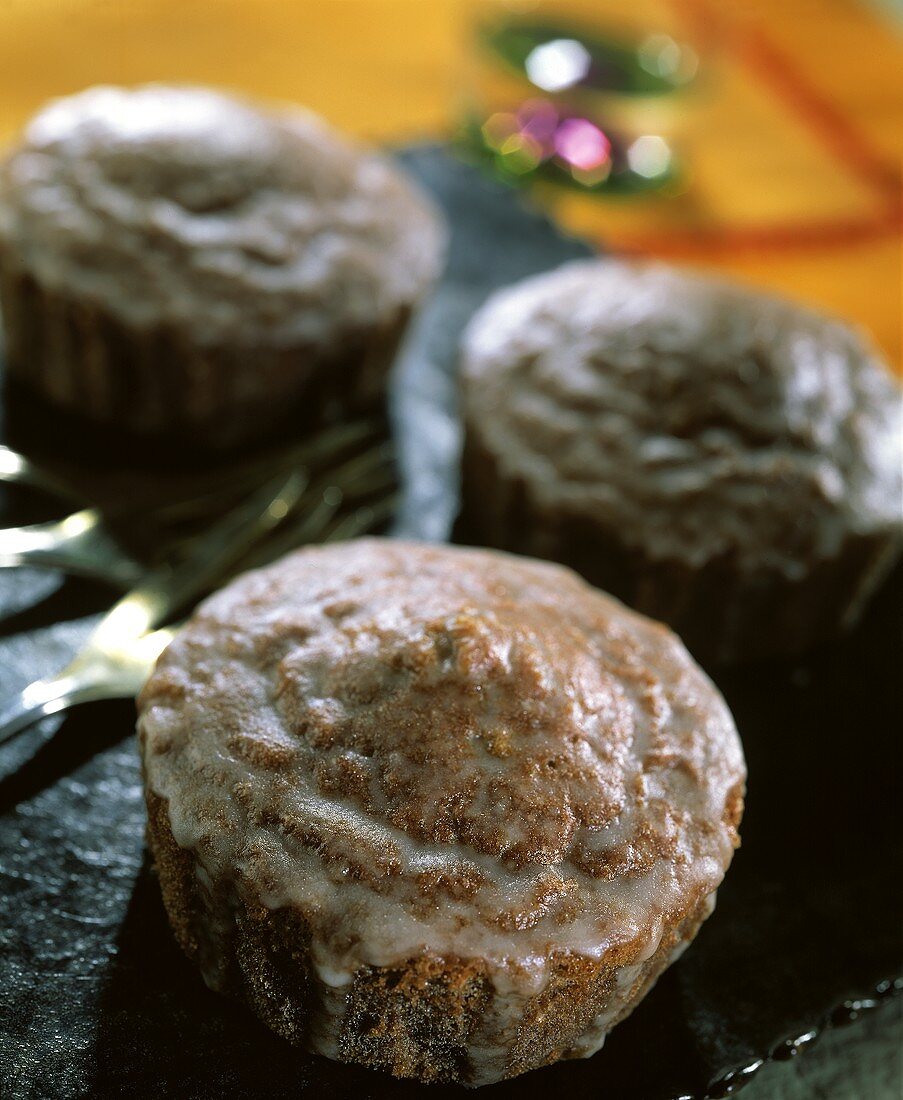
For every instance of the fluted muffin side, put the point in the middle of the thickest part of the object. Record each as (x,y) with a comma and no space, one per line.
(432,1018)
(180,262)
(441,811)
(723,460)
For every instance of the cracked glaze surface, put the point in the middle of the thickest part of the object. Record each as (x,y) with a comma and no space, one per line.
(181,205)
(689,417)
(436,749)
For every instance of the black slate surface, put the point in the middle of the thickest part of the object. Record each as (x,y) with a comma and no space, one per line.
(95,999)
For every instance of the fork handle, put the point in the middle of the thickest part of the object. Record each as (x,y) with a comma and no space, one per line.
(46,697)
(78,544)
(39,699)
(18,470)
(89,677)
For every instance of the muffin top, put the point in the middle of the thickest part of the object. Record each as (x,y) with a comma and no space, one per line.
(431,749)
(693,418)
(185,206)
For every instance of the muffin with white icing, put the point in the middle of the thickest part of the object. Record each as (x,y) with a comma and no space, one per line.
(443,812)
(175,260)
(722,460)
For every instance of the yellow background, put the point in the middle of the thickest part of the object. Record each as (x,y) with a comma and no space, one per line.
(393,70)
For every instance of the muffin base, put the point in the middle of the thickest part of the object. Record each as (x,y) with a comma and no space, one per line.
(434,1019)
(158,383)
(723,614)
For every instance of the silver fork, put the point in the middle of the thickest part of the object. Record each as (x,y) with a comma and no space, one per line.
(19,470)
(83,544)
(115,659)
(79,544)
(366,482)
(121,651)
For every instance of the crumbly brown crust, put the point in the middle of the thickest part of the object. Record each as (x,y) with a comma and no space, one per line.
(464,805)
(174,259)
(722,460)
(415,1020)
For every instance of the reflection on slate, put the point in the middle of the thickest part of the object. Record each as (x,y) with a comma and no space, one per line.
(95,998)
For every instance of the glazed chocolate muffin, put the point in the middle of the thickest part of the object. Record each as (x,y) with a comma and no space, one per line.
(174,260)
(719,459)
(443,812)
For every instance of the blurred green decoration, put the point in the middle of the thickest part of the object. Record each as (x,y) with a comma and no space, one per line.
(555,57)
(578,109)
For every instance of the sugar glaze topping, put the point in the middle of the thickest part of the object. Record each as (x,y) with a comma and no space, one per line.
(175,204)
(693,418)
(435,750)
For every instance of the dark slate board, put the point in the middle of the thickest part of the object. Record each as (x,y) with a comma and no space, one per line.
(95,998)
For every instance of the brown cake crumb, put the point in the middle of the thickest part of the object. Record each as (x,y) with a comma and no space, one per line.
(193,265)
(454,830)
(723,460)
